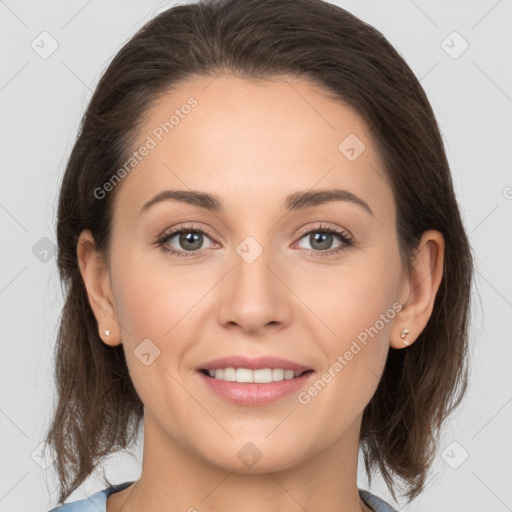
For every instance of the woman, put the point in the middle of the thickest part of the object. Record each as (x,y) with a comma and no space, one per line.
(265,262)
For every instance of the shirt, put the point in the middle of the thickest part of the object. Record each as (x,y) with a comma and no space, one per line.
(98,501)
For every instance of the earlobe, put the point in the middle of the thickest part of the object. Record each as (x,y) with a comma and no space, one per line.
(95,275)
(423,282)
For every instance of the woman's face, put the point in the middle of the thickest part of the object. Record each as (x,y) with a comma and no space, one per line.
(263,277)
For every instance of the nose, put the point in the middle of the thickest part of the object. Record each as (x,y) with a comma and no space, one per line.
(254,296)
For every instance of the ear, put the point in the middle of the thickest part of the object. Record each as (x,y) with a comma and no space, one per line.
(419,290)
(95,275)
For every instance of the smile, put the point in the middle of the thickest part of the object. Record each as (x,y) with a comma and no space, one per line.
(255,387)
(261,376)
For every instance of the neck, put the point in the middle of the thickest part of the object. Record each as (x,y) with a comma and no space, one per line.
(175,478)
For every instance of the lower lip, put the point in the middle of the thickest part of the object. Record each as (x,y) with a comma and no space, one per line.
(249,393)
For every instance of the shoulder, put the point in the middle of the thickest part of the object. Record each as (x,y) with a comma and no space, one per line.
(97,502)
(374,502)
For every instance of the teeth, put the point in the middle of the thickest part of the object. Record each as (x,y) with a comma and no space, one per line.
(261,376)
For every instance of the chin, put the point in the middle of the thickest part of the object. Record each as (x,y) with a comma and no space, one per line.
(251,457)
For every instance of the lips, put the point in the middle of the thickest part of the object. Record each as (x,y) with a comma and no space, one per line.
(255,394)
(240,361)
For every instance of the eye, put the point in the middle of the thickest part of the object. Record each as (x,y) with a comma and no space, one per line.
(190,241)
(321,239)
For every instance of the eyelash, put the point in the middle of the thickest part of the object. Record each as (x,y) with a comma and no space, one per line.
(346,240)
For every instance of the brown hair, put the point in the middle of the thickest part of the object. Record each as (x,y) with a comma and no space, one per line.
(98,410)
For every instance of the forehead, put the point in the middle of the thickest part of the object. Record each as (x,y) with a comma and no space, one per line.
(249,139)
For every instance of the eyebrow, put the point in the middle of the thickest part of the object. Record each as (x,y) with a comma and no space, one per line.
(296,201)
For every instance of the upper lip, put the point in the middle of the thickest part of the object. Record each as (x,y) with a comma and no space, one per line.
(240,361)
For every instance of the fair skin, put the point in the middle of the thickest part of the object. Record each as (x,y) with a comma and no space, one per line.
(252,144)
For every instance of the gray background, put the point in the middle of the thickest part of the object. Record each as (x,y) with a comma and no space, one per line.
(41,103)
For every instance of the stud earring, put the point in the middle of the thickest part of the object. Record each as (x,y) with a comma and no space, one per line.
(107,333)
(403,334)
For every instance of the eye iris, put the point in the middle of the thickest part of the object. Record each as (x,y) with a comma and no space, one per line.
(189,236)
(322,237)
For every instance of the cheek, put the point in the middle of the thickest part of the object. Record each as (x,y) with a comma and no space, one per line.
(354,298)
(142,311)
(152,314)
(358,304)
(355,360)
(157,308)
(152,297)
